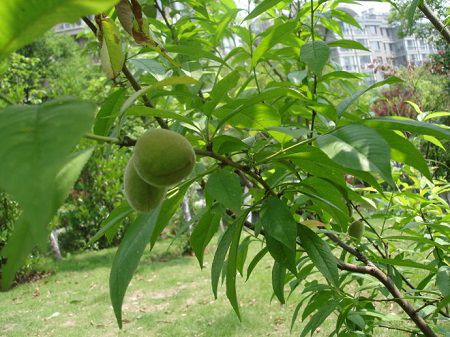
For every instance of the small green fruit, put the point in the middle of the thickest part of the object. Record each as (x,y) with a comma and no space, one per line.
(163,157)
(141,196)
(356,230)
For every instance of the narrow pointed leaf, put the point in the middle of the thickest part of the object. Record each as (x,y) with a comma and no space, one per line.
(231,271)
(320,254)
(127,258)
(261,8)
(278,277)
(255,261)
(359,148)
(219,257)
(344,105)
(203,232)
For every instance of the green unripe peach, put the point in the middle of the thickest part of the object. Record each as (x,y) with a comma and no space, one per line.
(356,230)
(141,196)
(163,157)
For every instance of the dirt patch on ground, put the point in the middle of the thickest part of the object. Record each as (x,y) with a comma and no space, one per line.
(33,276)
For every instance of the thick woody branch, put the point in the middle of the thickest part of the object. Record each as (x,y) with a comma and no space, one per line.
(443,30)
(373,270)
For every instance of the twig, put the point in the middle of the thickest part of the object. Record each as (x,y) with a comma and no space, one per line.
(238,166)
(398,329)
(134,83)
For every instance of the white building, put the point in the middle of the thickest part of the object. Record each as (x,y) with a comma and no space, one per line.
(70,28)
(387,50)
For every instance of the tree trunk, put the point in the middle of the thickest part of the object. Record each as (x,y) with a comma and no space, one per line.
(54,242)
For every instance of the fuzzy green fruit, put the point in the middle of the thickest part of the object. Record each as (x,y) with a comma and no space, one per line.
(141,196)
(163,157)
(356,230)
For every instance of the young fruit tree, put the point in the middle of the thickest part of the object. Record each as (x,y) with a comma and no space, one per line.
(243,101)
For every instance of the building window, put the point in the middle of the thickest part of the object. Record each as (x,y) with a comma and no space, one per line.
(374,45)
(364,59)
(410,44)
(371,30)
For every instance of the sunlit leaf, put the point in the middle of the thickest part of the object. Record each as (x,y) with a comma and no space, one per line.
(358,147)
(315,54)
(36,144)
(25,20)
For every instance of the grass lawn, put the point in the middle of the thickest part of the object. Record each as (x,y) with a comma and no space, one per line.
(169,296)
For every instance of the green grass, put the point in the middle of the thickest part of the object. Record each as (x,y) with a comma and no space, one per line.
(168,296)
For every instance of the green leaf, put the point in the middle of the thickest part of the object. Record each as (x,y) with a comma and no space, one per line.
(168,209)
(110,225)
(255,261)
(347,44)
(338,75)
(277,35)
(405,263)
(68,174)
(140,110)
(280,231)
(320,254)
(242,255)
(225,144)
(352,98)
(443,280)
(345,17)
(149,65)
(319,317)
(25,20)
(410,12)
(330,197)
(316,301)
(174,80)
(315,54)
(219,257)
(438,114)
(128,256)
(359,148)
(111,54)
(203,232)
(36,169)
(108,112)
(402,150)
(231,266)
(278,277)
(193,51)
(224,187)
(257,117)
(22,239)
(261,8)
(410,125)
(221,90)
(313,160)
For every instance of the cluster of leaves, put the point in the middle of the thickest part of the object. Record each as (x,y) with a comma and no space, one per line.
(256,95)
